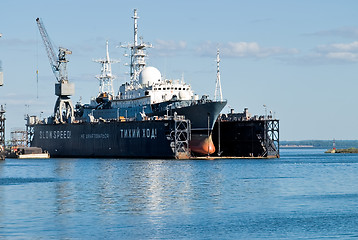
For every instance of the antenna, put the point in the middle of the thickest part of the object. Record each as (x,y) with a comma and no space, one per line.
(106,77)
(135,17)
(138,53)
(37,84)
(218,82)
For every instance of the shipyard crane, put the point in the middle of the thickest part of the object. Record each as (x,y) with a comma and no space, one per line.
(64,110)
(1,73)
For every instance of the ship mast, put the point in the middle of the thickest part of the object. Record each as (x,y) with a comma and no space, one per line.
(218,90)
(106,77)
(138,53)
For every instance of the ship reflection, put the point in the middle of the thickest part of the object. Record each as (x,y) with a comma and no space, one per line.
(138,187)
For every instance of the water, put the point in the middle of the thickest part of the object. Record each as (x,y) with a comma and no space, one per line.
(304,194)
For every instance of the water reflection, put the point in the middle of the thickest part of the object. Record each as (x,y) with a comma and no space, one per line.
(131,199)
(137,186)
(64,191)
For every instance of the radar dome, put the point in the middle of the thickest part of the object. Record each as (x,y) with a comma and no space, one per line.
(149,76)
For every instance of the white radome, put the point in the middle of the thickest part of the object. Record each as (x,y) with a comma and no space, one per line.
(149,76)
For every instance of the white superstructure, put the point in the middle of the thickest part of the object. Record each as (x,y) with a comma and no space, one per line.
(147,86)
(148,93)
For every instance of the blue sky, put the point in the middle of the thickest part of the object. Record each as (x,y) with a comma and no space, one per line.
(297,57)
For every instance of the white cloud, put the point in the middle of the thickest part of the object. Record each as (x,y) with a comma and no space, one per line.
(339,47)
(345,32)
(341,52)
(169,47)
(245,50)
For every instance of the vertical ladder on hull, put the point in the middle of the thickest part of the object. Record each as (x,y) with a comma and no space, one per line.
(31,121)
(182,136)
(2,133)
(271,138)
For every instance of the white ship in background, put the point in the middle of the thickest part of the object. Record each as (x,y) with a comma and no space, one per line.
(149,94)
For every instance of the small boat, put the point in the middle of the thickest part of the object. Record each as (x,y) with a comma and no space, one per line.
(28,152)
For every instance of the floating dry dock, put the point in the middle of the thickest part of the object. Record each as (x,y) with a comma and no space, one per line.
(245,136)
(232,158)
(235,136)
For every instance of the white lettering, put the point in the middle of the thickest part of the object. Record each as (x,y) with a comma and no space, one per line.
(57,134)
(153,133)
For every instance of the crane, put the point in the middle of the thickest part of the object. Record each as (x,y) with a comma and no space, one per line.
(1,73)
(64,110)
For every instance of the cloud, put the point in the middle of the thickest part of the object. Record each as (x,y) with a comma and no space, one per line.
(169,47)
(19,45)
(336,53)
(245,50)
(345,32)
(262,20)
(339,47)
(16,42)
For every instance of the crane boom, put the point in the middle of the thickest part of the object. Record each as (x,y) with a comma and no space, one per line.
(63,111)
(48,46)
(58,63)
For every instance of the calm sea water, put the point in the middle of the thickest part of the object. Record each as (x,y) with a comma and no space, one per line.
(304,194)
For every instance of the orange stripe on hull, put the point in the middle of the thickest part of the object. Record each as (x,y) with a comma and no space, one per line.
(202,144)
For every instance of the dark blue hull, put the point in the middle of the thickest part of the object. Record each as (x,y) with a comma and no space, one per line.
(137,139)
(201,115)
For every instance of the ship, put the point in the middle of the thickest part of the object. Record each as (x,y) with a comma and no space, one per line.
(164,138)
(148,93)
(150,116)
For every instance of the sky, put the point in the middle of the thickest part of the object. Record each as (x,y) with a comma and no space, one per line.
(298,58)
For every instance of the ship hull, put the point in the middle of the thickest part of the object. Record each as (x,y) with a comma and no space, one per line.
(139,139)
(201,115)
(201,144)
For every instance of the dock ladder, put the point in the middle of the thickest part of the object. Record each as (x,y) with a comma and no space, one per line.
(182,135)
